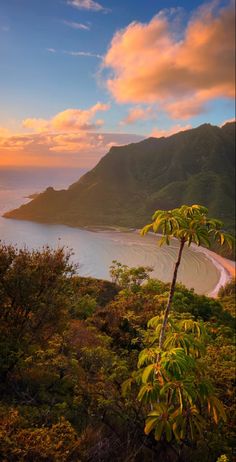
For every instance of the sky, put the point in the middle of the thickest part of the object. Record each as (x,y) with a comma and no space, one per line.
(78,76)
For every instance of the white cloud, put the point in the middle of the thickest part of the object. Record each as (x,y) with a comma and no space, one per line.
(51,50)
(87,5)
(77,25)
(83,53)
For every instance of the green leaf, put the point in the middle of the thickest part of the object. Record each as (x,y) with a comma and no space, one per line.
(145,229)
(159,430)
(168,431)
(147,372)
(150,424)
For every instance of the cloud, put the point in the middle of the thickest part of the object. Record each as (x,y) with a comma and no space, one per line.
(153,63)
(187,107)
(76,53)
(53,142)
(62,149)
(138,113)
(77,25)
(87,5)
(69,120)
(15,142)
(158,133)
(83,53)
(70,143)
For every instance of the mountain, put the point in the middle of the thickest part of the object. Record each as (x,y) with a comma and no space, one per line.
(131,182)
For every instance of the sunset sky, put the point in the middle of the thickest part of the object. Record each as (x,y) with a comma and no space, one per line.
(77,76)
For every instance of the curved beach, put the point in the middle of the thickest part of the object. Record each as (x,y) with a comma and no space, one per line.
(224,265)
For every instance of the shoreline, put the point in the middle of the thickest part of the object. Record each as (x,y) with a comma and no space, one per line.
(226,268)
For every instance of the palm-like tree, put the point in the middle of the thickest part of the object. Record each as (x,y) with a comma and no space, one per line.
(188,224)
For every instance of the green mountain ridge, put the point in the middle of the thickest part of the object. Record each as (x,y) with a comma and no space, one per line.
(131,182)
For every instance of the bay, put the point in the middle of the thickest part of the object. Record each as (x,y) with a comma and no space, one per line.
(94,251)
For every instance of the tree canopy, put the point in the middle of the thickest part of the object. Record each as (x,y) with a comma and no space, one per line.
(70,386)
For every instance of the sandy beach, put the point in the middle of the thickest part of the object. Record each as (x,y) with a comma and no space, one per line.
(224,265)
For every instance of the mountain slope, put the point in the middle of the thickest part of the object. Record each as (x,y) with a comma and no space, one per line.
(131,182)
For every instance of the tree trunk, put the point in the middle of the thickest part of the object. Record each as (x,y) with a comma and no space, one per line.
(171,294)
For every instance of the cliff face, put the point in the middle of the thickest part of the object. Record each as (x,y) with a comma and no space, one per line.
(131,182)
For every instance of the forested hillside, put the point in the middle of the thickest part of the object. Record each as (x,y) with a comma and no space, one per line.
(130,182)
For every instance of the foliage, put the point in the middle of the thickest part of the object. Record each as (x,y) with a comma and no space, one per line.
(83,307)
(228,289)
(223,458)
(34,290)
(176,387)
(57,443)
(187,224)
(102,291)
(63,373)
(129,278)
(173,384)
(227,297)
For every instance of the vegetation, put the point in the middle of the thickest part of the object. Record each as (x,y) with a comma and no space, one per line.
(195,166)
(70,386)
(172,381)
(187,224)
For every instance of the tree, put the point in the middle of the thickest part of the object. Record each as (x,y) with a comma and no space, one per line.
(171,373)
(187,224)
(34,297)
(129,278)
(181,396)
(57,443)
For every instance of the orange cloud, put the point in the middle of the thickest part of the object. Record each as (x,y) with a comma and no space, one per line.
(17,142)
(151,63)
(158,133)
(70,143)
(62,149)
(65,142)
(138,113)
(69,120)
(186,107)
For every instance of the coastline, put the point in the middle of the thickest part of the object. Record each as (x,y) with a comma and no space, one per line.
(226,268)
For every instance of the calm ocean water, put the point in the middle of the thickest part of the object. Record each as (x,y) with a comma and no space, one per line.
(94,251)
